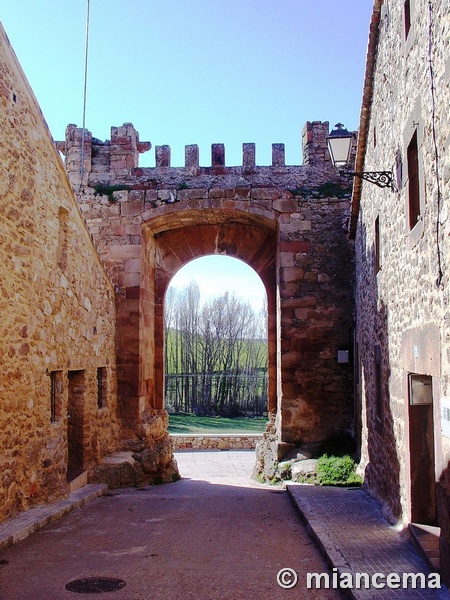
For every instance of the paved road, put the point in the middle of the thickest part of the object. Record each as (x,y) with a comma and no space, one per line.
(213,535)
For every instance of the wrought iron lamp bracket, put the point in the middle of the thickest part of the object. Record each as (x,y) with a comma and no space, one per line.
(382,179)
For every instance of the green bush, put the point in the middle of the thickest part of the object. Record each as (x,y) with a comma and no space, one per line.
(337,470)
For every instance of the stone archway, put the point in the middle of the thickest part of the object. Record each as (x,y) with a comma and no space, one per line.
(170,245)
(287,222)
(224,301)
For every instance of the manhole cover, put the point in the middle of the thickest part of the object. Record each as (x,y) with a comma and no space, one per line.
(95,585)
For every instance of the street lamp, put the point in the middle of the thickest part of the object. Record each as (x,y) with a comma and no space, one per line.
(339,146)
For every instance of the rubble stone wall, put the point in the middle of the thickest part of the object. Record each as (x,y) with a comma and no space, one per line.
(226,441)
(402,291)
(57,311)
(287,222)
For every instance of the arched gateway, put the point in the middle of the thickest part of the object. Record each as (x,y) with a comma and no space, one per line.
(206,231)
(286,222)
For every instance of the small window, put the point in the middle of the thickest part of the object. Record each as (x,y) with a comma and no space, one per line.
(378,385)
(357,363)
(101,387)
(407,17)
(377,244)
(399,169)
(56,394)
(61,252)
(413,181)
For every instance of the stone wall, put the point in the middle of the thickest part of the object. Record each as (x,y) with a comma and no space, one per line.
(57,323)
(287,222)
(402,292)
(227,441)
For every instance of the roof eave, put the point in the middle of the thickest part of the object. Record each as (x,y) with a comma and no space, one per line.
(366,105)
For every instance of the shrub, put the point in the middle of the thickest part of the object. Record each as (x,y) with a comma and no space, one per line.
(337,470)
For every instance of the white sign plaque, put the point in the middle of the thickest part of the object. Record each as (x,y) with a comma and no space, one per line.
(445,416)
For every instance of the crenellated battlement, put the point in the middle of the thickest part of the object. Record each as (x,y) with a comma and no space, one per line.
(117,159)
(192,160)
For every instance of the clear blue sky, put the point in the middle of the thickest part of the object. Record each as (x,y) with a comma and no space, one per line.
(217,274)
(195,71)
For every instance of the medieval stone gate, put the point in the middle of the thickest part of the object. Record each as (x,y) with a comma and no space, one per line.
(287,222)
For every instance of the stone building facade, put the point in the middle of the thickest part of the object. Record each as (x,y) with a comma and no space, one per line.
(57,326)
(402,265)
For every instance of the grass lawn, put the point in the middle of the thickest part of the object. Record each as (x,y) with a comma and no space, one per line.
(186,423)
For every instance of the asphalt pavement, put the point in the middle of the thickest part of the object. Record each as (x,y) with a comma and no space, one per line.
(215,534)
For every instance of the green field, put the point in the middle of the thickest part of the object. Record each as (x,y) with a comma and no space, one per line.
(186,423)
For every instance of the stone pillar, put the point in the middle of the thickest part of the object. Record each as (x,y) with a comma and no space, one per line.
(248,155)
(191,156)
(124,150)
(77,147)
(218,155)
(314,143)
(162,156)
(278,159)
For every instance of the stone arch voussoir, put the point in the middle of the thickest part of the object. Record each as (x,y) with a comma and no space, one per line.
(173,239)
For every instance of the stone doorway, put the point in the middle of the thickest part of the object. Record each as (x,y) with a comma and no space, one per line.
(422,464)
(75,422)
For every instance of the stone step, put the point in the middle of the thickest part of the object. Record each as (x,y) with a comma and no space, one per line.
(426,538)
(77,480)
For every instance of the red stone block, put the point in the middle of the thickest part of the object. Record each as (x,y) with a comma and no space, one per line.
(300,345)
(132,208)
(292,390)
(133,292)
(296,246)
(286,205)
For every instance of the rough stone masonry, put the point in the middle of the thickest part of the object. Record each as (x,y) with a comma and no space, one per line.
(287,222)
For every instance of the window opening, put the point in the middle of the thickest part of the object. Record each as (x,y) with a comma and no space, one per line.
(61,252)
(378,384)
(101,387)
(377,245)
(413,181)
(407,17)
(56,390)
(420,389)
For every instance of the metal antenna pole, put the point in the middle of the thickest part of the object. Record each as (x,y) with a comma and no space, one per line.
(84,95)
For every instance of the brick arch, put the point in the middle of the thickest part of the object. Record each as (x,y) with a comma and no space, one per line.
(172,242)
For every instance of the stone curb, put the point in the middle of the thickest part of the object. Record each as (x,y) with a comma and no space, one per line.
(32,520)
(336,555)
(319,535)
(317,532)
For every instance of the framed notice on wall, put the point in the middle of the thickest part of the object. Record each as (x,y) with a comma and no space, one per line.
(420,389)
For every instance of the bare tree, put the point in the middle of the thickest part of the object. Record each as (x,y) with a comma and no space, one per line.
(216,355)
